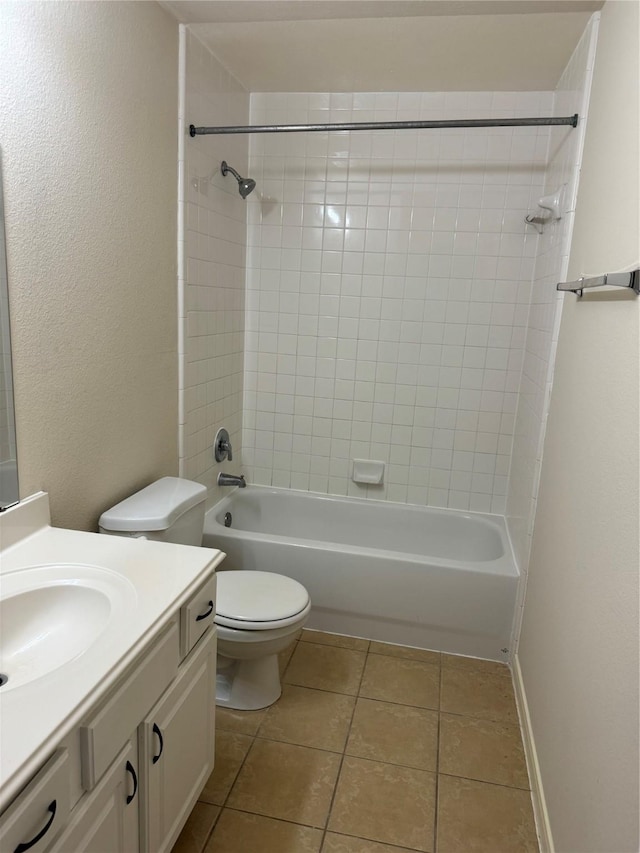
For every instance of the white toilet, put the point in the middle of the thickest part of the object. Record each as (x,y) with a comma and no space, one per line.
(257,613)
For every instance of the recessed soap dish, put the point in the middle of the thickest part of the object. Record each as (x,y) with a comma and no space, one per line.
(368,471)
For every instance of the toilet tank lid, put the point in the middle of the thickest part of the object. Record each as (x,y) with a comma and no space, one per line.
(155,507)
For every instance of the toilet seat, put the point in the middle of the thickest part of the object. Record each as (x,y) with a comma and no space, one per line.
(259,601)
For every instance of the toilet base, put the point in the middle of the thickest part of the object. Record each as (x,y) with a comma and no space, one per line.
(247,685)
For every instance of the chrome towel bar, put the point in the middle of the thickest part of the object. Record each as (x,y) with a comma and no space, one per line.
(612,279)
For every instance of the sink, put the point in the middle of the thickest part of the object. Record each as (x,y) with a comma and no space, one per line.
(50,615)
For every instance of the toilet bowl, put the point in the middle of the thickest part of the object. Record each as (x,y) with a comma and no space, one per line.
(258,614)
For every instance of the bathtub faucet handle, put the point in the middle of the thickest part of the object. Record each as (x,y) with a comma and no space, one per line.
(222,446)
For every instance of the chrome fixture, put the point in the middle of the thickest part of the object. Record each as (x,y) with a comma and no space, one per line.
(245,185)
(547,121)
(627,278)
(551,203)
(231,480)
(222,446)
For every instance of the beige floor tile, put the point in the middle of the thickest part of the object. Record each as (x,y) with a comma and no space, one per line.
(478,694)
(231,749)
(288,782)
(404,652)
(396,734)
(197,828)
(238,832)
(323,639)
(242,722)
(334,843)
(308,717)
(326,668)
(483,750)
(385,803)
(408,682)
(492,667)
(284,657)
(475,817)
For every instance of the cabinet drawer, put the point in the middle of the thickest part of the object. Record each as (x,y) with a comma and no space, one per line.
(102,736)
(196,615)
(38,814)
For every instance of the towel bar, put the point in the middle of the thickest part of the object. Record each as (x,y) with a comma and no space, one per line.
(617,279)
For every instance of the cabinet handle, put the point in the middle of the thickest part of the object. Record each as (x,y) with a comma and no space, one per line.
(26,845)
(208,613)
(131,770)
(157,731)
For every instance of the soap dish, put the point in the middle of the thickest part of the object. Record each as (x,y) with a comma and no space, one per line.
(369,471)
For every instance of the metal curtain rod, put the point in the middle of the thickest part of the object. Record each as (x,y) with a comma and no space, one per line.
(387,125)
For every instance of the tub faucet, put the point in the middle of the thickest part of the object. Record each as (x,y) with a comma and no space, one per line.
(231,480)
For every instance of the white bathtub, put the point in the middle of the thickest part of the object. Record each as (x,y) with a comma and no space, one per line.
(435,579)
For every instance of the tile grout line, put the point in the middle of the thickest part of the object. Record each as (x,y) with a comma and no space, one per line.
(356,697)
(436,792)
(346,741)
(235,778)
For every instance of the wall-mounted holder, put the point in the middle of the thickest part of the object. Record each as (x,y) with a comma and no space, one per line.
(613,279)
(369,471)
(222,446)
(550,203)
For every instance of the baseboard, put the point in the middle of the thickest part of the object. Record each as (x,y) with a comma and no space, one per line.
(543,827)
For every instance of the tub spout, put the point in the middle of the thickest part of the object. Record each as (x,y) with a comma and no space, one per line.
(231,480)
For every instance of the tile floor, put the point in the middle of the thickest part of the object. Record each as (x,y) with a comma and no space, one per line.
(372,748)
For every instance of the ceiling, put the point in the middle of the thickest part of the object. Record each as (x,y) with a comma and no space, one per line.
(389,45)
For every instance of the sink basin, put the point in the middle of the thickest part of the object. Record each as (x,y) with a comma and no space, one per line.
(50,615)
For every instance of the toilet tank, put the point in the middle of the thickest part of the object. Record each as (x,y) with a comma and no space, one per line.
(169,510)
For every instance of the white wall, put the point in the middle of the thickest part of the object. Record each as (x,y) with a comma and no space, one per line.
(88,128)
(388,285)
(579,646)
(212,272)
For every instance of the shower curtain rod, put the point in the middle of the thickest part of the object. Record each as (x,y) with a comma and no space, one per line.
(387,125)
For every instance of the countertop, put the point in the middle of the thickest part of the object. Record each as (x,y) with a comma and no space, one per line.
(156,579)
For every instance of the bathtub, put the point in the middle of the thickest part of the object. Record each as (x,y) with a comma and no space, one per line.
(416,576)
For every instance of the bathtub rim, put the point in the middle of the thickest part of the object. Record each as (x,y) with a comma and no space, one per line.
(505,565)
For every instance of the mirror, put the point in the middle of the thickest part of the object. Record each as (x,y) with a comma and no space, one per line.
(8,457)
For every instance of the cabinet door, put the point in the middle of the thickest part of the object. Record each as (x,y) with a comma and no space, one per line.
(107,819)
(176,743)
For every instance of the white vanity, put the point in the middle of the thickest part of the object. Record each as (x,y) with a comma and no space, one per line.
(107,714)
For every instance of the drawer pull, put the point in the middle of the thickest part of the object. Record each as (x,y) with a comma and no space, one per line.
(156,730)
(208,613)
(131,770)
(26,845)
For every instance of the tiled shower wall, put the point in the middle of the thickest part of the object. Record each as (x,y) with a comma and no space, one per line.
(389,278)
(565,154)
(212,245)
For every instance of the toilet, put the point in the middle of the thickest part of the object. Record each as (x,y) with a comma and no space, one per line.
(258,614)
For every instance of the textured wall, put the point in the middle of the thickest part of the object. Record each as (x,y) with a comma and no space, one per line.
(88,127)
(388,286)
(212,278)
(579,645)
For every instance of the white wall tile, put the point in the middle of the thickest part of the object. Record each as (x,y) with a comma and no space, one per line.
(408,276)
(549,267)
(213,272)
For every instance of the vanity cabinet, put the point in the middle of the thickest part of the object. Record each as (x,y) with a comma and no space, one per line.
(127,778)
(176,749)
